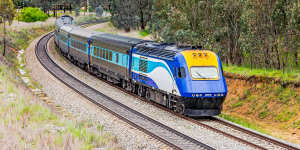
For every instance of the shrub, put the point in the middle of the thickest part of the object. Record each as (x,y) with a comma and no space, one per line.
(29,14)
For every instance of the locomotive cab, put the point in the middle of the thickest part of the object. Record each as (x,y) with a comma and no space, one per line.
(203,87)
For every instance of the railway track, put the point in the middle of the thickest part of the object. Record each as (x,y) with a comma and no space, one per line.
(149,126)
(205,122)
(260,137)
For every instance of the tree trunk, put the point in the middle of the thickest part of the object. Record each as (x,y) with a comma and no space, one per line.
(4,41)
(296,58)
(143,26)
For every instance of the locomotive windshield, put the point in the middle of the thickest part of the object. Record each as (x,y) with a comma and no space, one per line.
(204,72)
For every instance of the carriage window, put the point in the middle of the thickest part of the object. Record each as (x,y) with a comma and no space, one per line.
(106,55)
(94,51)
(117,57)
(110,56)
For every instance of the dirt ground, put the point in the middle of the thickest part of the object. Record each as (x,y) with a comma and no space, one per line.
(272,108)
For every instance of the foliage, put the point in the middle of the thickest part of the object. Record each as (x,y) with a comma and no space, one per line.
(30,14)
(144,33)
(7,11)
(254,33)
(7,14)
(132,14)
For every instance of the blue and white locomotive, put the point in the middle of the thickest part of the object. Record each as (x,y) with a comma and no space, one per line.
(187,80)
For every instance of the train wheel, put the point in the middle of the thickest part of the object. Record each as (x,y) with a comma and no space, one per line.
(141,91)
(180,109)
(124,84)
(147,94)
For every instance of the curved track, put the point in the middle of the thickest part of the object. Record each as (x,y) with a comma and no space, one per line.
(151,127)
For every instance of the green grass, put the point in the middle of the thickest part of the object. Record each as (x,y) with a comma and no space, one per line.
(285,116)
(242,122)
(293,75)
(296,124)
(237,104)
(144,33)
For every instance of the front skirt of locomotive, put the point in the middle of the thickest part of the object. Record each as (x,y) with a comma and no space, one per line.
(202,106)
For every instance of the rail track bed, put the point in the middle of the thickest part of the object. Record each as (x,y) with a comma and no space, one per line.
(161,132)
(151,127)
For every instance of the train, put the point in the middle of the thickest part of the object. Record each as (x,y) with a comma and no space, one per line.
(185,79)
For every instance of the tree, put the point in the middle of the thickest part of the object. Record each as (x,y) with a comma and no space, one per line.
(144,12)
(123,14)
(7,13)
(99,11)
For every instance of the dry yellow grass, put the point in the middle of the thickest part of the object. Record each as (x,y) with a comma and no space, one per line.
(26,124)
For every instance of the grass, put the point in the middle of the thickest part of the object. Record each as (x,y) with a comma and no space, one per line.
(293,75)
(296,124)
(242,122)
(285,115)
(30,125)
(144,33)
(237,104)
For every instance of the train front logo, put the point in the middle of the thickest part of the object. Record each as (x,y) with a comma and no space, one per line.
(187,80)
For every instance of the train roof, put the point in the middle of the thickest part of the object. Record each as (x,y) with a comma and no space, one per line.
(120,41)
(160,50)
(82,32)
(64,20)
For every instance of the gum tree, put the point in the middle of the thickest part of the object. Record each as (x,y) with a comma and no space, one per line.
(7,14)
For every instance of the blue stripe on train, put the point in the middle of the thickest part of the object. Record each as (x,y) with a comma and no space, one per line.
(143,79)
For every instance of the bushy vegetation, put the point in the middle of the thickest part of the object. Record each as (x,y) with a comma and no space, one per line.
(253,34)
(144,33)
(30,14)
(243,32)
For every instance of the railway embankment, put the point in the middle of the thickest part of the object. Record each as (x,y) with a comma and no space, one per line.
(266,103)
